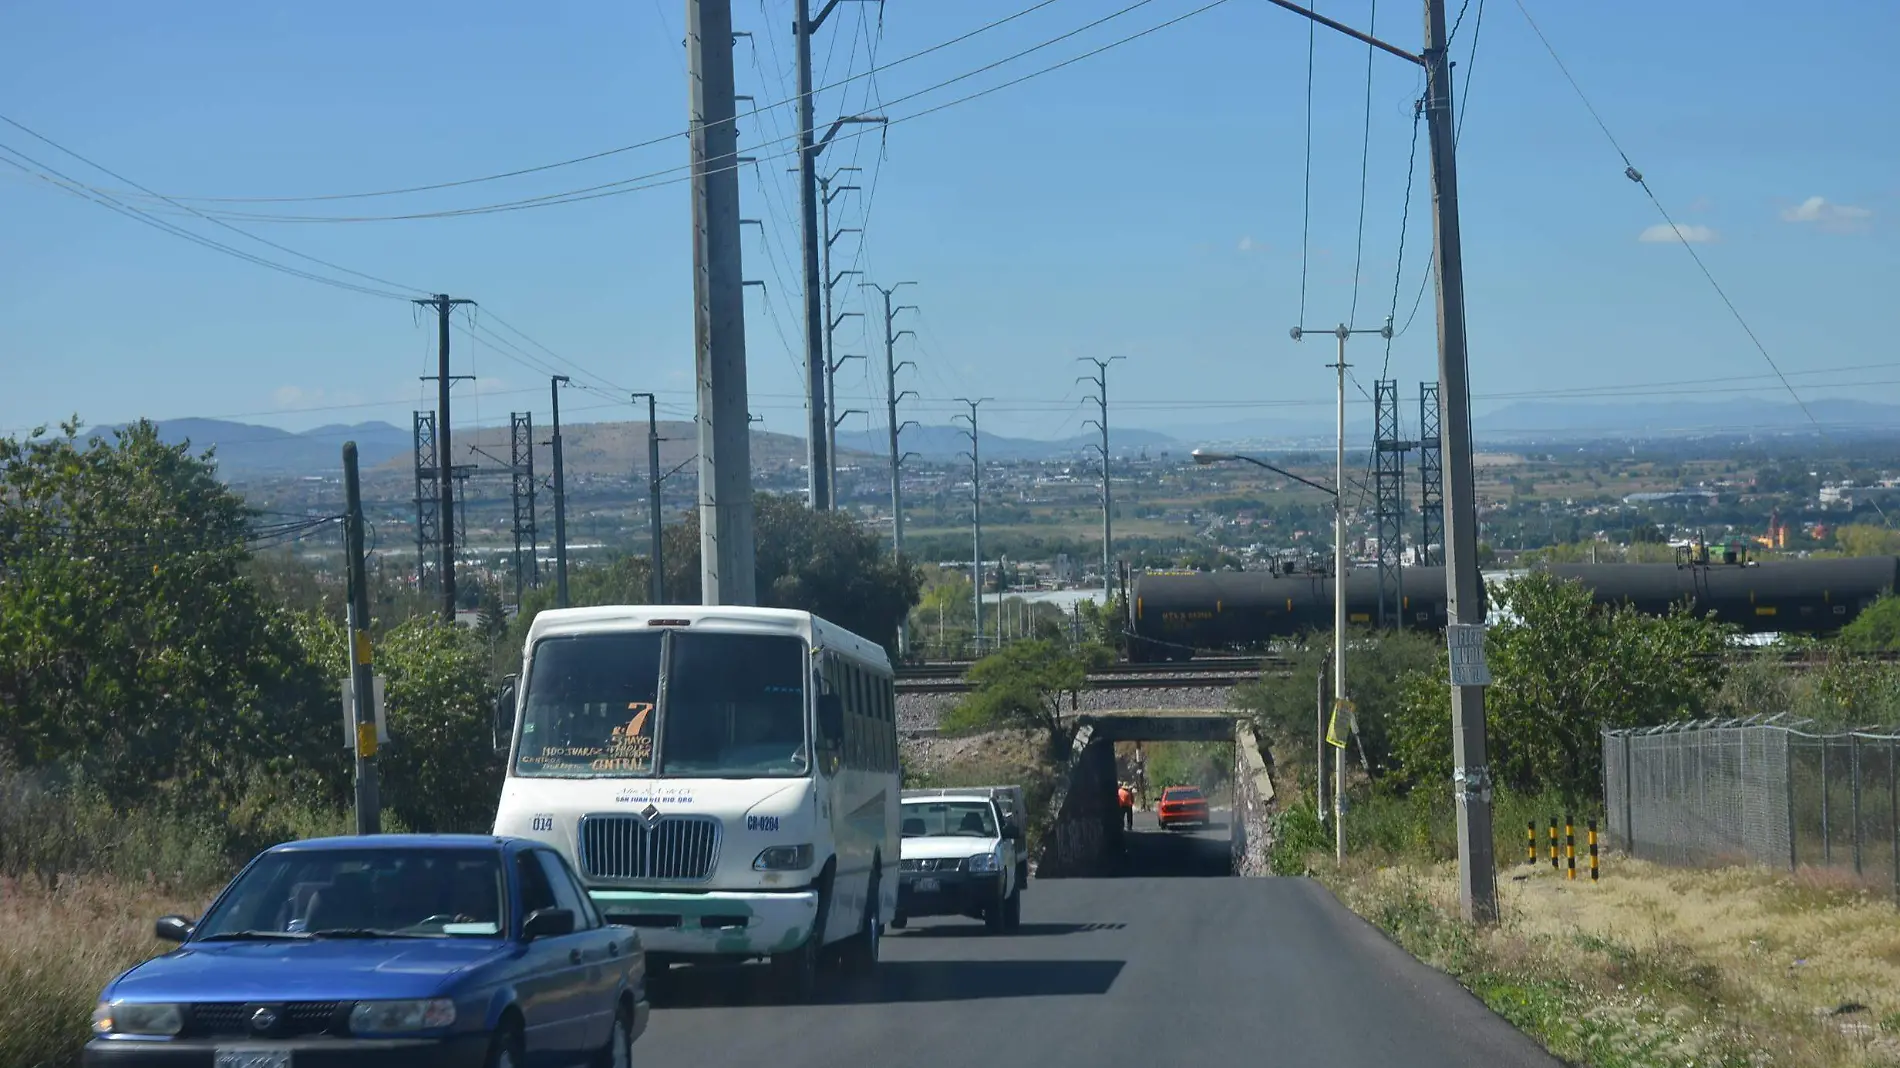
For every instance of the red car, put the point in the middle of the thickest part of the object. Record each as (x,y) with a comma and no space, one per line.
(1182,806)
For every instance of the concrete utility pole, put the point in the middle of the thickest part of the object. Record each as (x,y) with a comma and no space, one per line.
(891,398)
(976,515)
(1471,775)
(1100,381)
(362,666)
(444,306)
(818,427)
(1342,332)
(726,574)
(656,583)
(560,498)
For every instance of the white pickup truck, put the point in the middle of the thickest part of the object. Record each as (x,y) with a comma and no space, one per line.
(960,855)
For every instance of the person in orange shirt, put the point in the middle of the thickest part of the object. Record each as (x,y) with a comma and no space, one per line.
(1126,797)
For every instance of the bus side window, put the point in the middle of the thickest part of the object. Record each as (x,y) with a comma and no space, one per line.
(853,718)
(890,723)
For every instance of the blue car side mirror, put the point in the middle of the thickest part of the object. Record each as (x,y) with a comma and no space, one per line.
(547,923)
(172,928)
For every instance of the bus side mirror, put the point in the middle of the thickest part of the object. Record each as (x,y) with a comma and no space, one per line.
(504,713)
(830,720)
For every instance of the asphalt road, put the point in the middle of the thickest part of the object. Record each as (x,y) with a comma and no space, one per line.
(1168,963)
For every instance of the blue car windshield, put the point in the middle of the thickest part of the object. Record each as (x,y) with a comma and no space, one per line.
(358,893)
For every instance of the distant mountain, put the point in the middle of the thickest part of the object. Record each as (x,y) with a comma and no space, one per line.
(1569,420)
(942,443)
(245,450)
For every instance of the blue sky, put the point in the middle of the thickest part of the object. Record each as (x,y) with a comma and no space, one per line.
(1145,202)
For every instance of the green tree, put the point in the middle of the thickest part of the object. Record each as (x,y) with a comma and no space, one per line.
(133,644)
(1563,669)
(1023,686)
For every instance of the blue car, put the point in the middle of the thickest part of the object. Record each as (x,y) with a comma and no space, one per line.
(410,950)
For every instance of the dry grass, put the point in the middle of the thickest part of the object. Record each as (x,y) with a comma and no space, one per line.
(1665,966)
(61,947)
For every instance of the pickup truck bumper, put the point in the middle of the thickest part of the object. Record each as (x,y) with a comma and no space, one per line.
(948,893)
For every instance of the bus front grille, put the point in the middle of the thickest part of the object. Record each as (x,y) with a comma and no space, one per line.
(670,848)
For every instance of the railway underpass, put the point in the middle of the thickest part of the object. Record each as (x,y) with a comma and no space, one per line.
(1147,952)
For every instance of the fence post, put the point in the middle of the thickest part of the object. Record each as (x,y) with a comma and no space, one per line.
(1570,848)
(1827,831)
(1593,851)
(1787,791)
(1553,843)
(1629,805)
(1530,842)
(1853,757)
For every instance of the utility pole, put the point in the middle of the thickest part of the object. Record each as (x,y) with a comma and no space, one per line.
(1471,775)
(832,360)
(444,306)
(1477,874)
(560,498)
(656,583)
(1341,718)
(818,428)
(891,398)
(1100,381)
(362,666)
(726,575)
(976,516)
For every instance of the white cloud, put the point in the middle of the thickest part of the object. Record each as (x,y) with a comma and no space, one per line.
(1829,216)
(1246,244)
(1695,235)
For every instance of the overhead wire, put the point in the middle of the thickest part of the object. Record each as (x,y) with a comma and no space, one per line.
(1634,175)
(1306,190)
(1464,100)
(660,178)
(1365,159)
(604,153)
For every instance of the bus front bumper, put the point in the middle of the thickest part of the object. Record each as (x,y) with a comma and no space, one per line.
(716,923)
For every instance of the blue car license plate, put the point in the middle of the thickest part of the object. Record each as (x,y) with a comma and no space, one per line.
(252,1058)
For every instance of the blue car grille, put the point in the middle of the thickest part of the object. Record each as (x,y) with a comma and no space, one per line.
(292,1019)
(670,849)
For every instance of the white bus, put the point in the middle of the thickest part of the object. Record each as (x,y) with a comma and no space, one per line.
(725,779)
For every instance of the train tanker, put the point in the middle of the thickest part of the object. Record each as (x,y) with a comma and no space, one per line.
(1175,613)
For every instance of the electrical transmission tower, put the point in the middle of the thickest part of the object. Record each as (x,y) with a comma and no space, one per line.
(1100,381)
(1389,500)
(976,517)
(521,466)
(1431,478)
(428,501)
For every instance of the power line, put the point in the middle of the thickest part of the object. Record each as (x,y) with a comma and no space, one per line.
(604,153)
(671,176)
(1464,98)
(1405,220)
(1365,158)
(1306,191)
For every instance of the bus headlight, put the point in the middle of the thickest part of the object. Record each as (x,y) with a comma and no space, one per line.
(783,858)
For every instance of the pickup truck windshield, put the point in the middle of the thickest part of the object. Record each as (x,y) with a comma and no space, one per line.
(949,819)
(733,705)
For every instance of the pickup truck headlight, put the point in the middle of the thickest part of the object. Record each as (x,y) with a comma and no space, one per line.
(986,862)
(398,1017)
(133,1018)
(783,858)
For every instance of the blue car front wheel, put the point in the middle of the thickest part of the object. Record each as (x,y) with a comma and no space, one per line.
(504,1050)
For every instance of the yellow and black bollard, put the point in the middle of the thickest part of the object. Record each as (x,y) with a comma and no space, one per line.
(1553,843)
(1530,842)
(1570,848)
(1593,851)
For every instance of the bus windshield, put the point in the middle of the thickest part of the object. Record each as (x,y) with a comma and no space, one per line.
(732,705)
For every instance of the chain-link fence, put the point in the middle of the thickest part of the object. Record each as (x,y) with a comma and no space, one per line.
(1715,793)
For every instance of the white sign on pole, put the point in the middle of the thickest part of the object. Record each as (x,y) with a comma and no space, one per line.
(349,714)
(1466,643)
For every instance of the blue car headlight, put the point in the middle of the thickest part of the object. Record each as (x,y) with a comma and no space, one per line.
(985,862)
(398,1017)
(783,858)
(134,1018)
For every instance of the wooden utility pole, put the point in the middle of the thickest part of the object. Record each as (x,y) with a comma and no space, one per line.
(362,666)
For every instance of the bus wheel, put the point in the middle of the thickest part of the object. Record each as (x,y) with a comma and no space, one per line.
(796,973)
(861,953)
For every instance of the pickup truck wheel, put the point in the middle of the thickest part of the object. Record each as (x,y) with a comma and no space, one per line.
(1013,910)
(994,916)
(899,921)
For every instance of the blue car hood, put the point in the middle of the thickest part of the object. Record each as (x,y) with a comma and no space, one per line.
(317,970)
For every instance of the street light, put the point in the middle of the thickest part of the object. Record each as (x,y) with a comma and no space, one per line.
(1205,457)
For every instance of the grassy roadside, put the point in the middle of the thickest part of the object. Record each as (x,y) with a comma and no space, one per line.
(1656,966)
